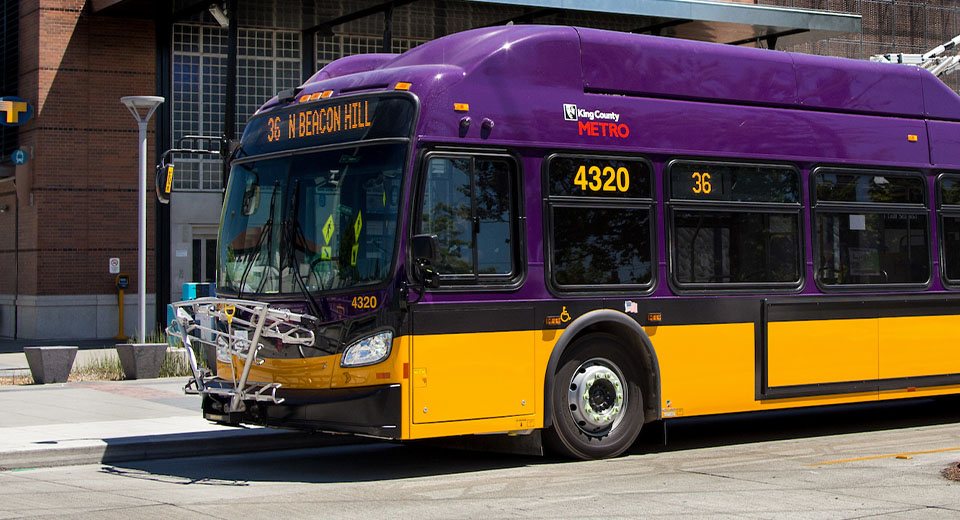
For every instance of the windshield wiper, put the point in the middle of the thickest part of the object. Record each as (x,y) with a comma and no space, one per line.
(292,233)
(266,232)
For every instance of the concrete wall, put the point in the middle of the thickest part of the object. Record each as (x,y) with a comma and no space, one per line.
(8,312)
(80,316)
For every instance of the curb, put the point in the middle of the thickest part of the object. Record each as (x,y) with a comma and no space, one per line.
(150,447)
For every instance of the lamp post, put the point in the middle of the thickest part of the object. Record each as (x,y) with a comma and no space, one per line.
(142,108)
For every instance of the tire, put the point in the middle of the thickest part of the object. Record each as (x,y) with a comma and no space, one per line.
(597,401)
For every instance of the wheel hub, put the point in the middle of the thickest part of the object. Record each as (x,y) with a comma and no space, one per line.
(596,396)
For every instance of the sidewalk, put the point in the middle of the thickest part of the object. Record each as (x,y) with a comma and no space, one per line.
(8,345)
(113,421)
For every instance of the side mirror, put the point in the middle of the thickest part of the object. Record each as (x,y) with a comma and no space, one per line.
(425,249)
(164,182)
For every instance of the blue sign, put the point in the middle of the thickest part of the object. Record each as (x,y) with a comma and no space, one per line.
(14,111)
(19,156)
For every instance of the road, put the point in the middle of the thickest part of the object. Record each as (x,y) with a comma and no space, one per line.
(849,462)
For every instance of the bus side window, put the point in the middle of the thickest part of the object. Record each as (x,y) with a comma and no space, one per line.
(871,227)
(949,200)
(470,204)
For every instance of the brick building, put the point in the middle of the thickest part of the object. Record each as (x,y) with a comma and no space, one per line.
(77,203)
(73,205)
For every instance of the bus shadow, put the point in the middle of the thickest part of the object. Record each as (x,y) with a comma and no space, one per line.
(338,464)
(734,429)
(382,461)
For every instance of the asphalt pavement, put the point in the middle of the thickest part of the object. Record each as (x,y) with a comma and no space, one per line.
(852,462)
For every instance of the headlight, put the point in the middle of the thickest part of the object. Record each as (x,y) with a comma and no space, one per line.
(367,351)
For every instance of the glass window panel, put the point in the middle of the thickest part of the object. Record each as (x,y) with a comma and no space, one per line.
(726,247)
(447,213)
(950,234)
(494,214)
(873,187)
(730,182)
(210,260)
(599,177)
(950,191)
(872,248)
(269,61)
(601,246)
(196,260)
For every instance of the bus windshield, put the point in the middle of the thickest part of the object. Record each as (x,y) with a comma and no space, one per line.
(319,222)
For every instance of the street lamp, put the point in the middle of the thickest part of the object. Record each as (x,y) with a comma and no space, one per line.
(142,108)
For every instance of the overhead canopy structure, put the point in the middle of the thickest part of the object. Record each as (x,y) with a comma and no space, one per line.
(738,22)
(735,22)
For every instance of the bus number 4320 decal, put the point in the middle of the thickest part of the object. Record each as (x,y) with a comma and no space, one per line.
(607,178)
(364,302)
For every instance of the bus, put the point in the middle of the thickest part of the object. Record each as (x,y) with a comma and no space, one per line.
(570,233)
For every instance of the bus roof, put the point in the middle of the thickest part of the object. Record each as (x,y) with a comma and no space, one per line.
(608,62)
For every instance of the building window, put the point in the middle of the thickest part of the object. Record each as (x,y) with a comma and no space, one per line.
(734,225)
(950,227)
(470,203)
(871,228)
(268,61)
(334,47)
(601,223)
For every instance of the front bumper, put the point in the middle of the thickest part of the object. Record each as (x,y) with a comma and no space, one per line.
(373,411)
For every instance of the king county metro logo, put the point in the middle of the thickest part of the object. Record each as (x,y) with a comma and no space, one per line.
(16,111)
(596,123)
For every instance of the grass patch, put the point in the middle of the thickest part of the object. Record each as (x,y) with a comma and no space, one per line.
(175,364)
(16,377)
(107,367)
(101,368)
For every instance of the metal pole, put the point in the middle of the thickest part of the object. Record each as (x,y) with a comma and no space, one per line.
(142,246)
(388,29)
(230,94)
(135,104)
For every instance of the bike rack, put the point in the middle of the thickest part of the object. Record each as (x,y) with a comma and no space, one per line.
(226,324)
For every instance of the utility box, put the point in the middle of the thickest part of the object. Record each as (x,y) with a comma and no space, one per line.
(192,291)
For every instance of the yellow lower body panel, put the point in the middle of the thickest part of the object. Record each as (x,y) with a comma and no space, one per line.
(919,346)
(823,351)
(459,384)
(477,383)
(711,369)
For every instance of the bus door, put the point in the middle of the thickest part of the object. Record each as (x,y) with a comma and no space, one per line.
(473,346)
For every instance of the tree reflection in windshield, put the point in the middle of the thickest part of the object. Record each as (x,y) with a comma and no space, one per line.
(330,217)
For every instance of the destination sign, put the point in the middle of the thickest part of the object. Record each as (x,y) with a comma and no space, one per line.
(696,180)
(329,122)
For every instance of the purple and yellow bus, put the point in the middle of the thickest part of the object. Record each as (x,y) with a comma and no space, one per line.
(571,231)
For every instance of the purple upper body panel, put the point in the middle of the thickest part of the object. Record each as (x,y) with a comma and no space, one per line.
(671,96)
(543,89)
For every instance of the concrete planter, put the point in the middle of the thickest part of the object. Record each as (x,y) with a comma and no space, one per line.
(141,360)
(50,364)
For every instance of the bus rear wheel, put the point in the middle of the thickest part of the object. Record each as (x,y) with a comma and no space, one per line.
(597,402)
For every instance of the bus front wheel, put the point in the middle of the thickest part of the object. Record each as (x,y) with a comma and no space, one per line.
(597,402)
